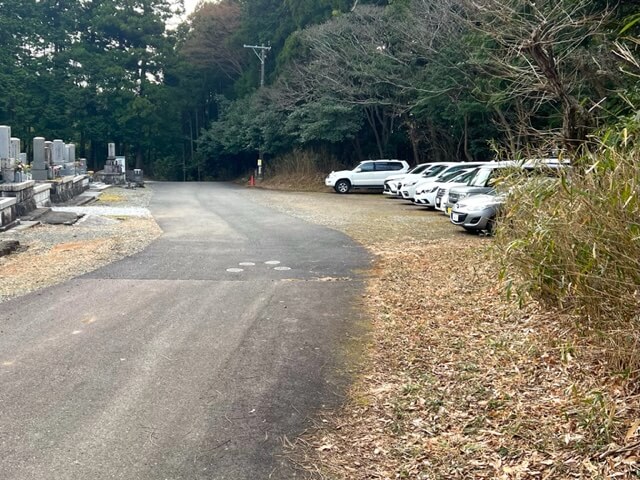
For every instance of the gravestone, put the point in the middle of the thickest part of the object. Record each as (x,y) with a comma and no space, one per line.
(5,141)
(39,168)
(14,148)
(6,162)
(114,169)
(71,152)
(14,154)
(58,152)
(48,152)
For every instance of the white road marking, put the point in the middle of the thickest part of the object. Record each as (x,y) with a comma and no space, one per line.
(76,332)
(272,262)
(235,270)
(246,264)
(282,269)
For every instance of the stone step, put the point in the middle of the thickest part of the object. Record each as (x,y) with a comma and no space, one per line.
(24,225)
(60,218)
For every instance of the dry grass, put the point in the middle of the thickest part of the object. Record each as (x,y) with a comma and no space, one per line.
(303,171)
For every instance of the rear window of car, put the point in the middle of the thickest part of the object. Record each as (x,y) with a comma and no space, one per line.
(385,166)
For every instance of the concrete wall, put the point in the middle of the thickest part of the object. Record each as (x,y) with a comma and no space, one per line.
(42,195)
(8,213)
(66,188)
(23,193)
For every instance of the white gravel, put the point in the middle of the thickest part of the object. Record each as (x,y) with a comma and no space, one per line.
(107,211)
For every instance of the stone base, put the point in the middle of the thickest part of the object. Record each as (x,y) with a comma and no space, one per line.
(8,213)
(65,188)
(23,194)
(110,178)
(40,175)
(42,195)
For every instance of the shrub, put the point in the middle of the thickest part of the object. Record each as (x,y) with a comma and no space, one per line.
(577,246)
(300,169)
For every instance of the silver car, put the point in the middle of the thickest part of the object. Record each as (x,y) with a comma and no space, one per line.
(477,212)
(482,182)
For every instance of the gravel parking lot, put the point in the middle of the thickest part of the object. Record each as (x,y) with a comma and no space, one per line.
(371,218)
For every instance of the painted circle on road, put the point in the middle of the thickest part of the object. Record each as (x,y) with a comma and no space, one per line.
(235,270)
(272,262)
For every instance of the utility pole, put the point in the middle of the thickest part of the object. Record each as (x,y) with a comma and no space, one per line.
(261,53)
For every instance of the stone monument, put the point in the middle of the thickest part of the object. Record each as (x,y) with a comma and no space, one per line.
(6,162)
(39,167)
(113,172)
(14,149)
(58,152)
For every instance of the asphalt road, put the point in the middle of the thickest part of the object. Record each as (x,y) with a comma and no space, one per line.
(194,359)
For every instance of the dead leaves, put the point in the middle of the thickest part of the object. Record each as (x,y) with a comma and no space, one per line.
(462,386)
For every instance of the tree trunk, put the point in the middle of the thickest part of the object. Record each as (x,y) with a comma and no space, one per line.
(372,122)
(465,136)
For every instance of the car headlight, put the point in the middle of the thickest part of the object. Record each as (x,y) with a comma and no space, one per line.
(462,195)
(410,184)
(480,208)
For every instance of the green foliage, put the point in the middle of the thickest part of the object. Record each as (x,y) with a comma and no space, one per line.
(408,78)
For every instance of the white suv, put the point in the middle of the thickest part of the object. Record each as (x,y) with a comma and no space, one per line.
(368,174)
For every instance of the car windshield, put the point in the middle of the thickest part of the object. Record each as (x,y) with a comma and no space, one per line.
(419,168)
(449,175)
(483,177)
(434,170)
(464,177)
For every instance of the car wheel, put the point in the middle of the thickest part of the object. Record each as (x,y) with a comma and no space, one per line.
(343,186)
(491,226)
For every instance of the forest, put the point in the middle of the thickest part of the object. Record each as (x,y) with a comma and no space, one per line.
(421,80)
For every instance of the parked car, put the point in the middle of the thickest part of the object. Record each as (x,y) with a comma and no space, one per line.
(392,182)
(426,194)
(482,182)
(367,174)
(477,212)
(409,187)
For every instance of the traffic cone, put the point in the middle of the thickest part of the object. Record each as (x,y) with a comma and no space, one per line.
(252,181)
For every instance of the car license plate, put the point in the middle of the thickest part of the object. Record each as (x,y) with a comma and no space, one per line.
(454,217)
(448,210)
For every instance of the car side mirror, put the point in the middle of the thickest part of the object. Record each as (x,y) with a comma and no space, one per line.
(358,170)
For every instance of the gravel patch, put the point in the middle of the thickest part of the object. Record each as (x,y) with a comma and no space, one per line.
(116,226)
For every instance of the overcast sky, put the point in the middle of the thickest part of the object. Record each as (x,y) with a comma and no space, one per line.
(189,5)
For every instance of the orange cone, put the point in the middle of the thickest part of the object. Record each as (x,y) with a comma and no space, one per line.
(252,181)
